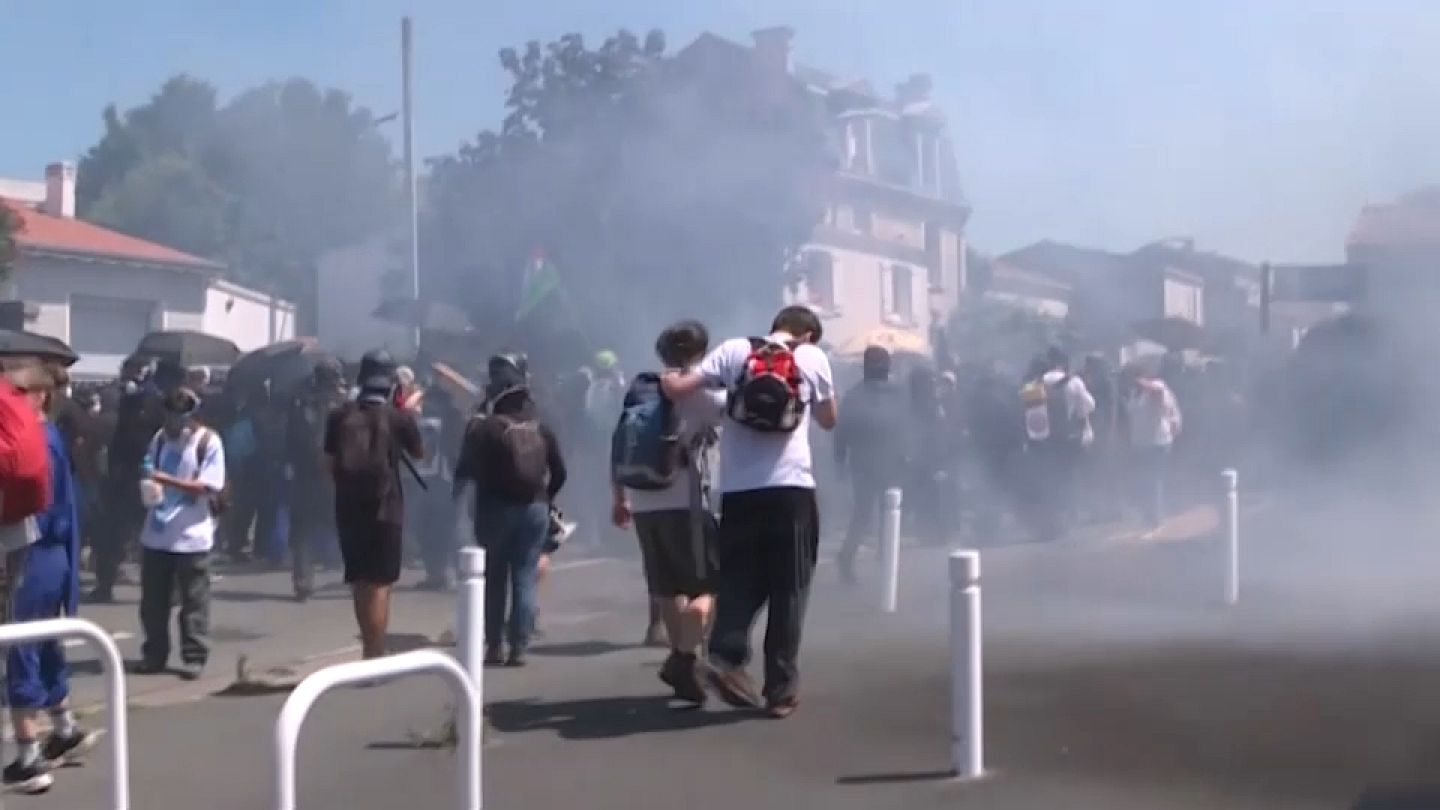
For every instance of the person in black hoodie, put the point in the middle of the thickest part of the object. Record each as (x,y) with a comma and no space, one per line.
(514,461)
(870,445)
(366,442)
(928,460)
(138,418)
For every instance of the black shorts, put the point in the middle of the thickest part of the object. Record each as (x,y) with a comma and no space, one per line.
(371,550)
(679,560)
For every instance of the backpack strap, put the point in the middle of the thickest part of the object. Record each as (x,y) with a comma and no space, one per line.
(155,445)
(202,449)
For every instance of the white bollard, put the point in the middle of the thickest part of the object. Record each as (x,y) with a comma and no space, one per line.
(470,615)
(890,551)
(967,699)
(1232,536)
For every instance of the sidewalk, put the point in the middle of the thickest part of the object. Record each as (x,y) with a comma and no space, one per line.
(255,619)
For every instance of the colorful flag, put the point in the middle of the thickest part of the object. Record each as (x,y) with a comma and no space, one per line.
(542,280)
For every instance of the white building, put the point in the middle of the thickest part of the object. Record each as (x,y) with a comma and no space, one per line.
(102,291)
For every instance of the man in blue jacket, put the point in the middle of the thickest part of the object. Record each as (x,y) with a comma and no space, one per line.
(38,678)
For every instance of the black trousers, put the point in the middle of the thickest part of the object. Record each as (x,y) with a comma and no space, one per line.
(769,540)
(866,504)
(162,575)
(124,518)
(256,505)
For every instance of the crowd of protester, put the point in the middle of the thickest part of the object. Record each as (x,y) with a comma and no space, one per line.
(704,465)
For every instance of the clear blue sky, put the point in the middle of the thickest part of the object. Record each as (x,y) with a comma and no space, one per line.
(1257,126)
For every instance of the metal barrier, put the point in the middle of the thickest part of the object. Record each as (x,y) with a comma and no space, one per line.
(298,705)
(114,669)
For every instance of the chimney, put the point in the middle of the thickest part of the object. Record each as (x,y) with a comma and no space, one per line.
(772,48)
(60,190)
(914,90)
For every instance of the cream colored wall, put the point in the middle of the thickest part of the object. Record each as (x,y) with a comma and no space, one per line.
(861,298)
(249,318)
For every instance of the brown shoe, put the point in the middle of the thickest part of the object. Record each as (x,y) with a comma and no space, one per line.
(735,687)
(783,708)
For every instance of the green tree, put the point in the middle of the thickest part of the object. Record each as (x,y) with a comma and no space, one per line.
(659,187)
(265,183)
(9,226)
(169,199)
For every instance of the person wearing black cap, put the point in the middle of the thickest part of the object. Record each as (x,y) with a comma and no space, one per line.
(364,443)
(870,447)
(514,461)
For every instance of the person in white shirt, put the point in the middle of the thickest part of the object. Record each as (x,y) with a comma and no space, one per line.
(770,523)
(1055,450)
(183,478)
(1154,425)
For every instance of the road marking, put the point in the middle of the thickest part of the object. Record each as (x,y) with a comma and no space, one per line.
(349,649)
(119,635)
(571,619)
(574,564)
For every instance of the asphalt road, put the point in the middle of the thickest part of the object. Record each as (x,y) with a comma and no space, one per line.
(1113,681)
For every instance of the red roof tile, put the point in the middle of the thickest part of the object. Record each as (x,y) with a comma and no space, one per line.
(1404,225)
(40,231)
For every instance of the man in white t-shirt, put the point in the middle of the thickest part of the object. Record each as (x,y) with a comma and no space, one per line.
(770,523)
(185,468)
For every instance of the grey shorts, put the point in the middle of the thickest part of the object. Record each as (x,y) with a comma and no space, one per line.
(679,559)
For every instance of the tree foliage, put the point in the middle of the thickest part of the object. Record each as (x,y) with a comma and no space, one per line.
(264,183)
(659,186)
(9,227)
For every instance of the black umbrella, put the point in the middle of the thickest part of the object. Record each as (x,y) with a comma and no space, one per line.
(431,316)
(285,365)
(14,343)
(1175,334)
(188,349)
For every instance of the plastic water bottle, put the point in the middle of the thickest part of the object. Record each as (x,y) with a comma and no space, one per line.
(150,492)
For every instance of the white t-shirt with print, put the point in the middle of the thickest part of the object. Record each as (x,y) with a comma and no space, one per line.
(181,522)
(752,459)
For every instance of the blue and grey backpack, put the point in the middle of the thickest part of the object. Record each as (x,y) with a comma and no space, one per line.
(645,450)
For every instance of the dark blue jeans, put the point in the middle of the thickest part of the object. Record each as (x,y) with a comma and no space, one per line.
(512,535)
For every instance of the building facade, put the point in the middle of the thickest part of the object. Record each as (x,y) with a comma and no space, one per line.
(101,291)
(890,253)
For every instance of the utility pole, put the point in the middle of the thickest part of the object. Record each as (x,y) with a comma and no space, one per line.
(1267,289)
(412,202)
